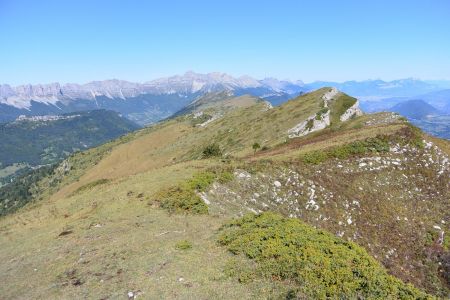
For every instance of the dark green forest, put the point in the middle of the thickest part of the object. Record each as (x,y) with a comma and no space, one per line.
(46,142)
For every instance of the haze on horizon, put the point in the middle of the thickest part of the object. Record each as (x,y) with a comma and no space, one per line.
(81,41)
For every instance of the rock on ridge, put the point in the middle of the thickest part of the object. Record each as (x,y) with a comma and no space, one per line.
(354,110)
(313,123)
(320,120)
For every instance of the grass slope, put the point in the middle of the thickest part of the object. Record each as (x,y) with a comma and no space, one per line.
(101,229)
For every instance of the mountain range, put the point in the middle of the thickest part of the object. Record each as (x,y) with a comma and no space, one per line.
(143,103)
(151,101)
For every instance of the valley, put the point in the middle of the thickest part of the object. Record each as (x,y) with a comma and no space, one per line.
(32,142)
(358,202)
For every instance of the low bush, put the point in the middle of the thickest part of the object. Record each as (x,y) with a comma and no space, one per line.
(200,181)
(321,265)
(184,198)
(314,157)
(225,176)
(181,199)
(183,245)
(309,124)
(212,150)
(377,144)
(321,112)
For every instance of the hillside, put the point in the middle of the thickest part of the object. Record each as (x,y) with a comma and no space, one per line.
(430,114)
(34,141)
(439,99)
(414,109)
(347,202)
(217,101)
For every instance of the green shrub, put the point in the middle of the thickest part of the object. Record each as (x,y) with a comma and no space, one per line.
(321,264)
(183,245)
(212,150)
(415,136)
(309,124)
(321,112)
(314,157)
(225,177)
(256,146)
(377,144)
(200,181)
(181,199)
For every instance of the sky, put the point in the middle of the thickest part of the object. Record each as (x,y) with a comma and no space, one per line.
(83,40)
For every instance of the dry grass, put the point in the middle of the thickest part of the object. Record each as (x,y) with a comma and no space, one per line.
(118,242)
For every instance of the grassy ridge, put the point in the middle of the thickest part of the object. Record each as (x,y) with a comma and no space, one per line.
(117,239)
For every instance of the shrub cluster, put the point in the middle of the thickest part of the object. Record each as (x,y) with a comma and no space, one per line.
(212,150)
(309,124)
(371,145)
(321,265)
(181,199)
(321,112)
(184,198)
(183,245)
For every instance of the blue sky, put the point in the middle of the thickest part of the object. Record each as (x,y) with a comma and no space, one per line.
(79,41)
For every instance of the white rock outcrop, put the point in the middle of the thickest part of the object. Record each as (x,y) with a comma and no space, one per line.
(354,110)
(320,121)
(310,125)
(328,96)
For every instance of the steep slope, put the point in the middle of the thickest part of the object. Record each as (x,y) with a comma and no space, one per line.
(98,226)
(217,102)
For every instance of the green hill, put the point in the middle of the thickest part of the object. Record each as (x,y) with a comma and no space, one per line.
(414,109)
(34,141)
(158,212)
